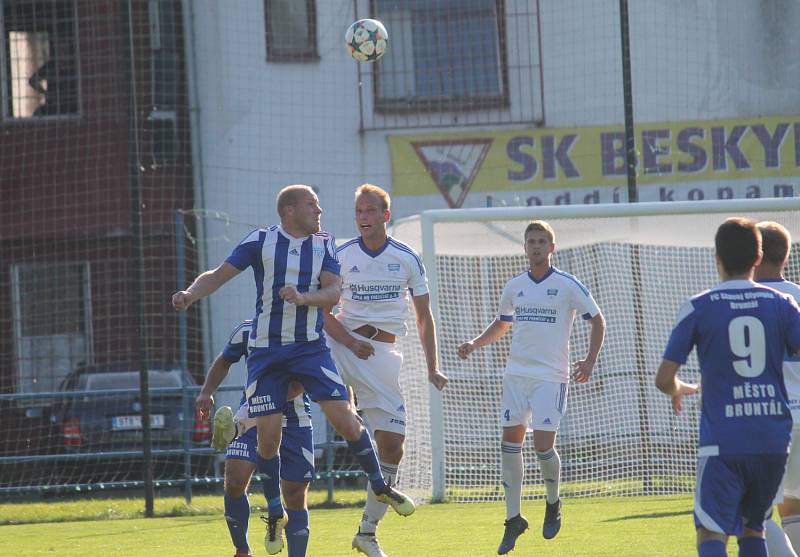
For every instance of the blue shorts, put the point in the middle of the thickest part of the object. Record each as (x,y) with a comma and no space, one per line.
(269,371)
(297,452)
(735,492)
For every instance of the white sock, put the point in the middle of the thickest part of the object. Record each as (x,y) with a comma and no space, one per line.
(778,544)
(513,472)
(791,525)
(550,465)
(374,510)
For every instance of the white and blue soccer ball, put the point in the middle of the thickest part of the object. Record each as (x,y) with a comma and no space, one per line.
(366,40)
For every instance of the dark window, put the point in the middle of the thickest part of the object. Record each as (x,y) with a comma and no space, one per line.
(52,299)
(167,68)
(291,27)
(40,62)
(166,46)
(52,322)
(442,55)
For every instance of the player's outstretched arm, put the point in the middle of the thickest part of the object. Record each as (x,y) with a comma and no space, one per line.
(668,383)
(330,288)
(361,348)
(582,369)
(214,378)
(427,335)
(203,286)
(492,334)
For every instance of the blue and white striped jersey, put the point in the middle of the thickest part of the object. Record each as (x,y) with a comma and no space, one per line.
(297,412)
(279,259)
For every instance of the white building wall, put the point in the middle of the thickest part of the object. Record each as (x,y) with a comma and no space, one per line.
(263,125)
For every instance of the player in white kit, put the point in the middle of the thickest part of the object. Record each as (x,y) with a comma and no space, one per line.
(541,304)
(378,272)
(776,243)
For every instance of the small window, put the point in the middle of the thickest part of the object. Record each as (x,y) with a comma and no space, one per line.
(52,299)
(461,64)
(52,322)
(166,48)
(40,63)
(291,27)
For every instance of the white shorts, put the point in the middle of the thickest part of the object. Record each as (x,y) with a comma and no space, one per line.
(380,420)
(533,403)
(375,382)
(791,478)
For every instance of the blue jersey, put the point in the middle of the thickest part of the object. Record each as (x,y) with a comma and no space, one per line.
(297,412)
(742,331)
(279,259)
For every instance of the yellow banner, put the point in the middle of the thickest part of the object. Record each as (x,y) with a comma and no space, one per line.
(456,164)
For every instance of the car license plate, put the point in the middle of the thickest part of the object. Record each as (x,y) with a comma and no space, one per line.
(119,423)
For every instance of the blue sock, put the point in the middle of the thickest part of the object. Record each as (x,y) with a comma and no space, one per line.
(365,453)
(270,470)
(711,548)
(237,515)
(297,532)
(752,547)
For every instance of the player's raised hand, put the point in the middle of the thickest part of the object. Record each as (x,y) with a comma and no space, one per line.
(438,379)
(291,295)
(204,403)
(466,349)
(582,371)
(182,300)
(683,390)
(362,349)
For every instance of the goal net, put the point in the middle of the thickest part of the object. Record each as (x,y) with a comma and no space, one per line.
(619,435)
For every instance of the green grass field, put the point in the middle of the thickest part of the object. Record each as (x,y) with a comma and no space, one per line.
(613,527)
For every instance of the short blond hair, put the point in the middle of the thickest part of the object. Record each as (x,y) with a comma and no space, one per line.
(540,226)
(776,242)
(386,201)
(289,196)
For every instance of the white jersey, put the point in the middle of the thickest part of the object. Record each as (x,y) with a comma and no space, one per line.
(376,284)
(543,312)
(791,365)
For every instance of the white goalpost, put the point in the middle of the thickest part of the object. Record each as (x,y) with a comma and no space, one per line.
(619,436)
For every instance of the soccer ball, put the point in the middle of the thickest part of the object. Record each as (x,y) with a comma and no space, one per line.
(366,39)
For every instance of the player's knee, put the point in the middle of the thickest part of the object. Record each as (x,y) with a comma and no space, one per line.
(294,494)
(235,486)
(393,455)
(268,447)
(704,535)
(344,421)
(352,430)
(390,449)
(543,441)
(542,446)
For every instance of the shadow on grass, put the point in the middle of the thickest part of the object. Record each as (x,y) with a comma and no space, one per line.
(149,526)
(648,516)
